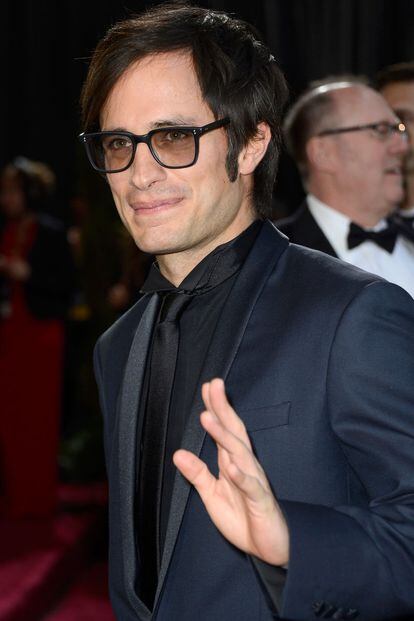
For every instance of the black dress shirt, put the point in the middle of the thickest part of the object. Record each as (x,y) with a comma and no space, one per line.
(209,284)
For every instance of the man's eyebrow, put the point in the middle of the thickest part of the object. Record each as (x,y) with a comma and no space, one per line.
(172,122)
(114,129)
(177,120)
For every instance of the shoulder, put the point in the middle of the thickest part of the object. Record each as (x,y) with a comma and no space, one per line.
(340,294)
(309,283)
(306,268)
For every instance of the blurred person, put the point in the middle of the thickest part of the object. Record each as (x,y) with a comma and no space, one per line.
(349,147)
(396,85)
(299,502)
(35,284)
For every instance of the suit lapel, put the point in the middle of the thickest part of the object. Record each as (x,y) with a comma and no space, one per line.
(307,233)
(266,251)
(128,415)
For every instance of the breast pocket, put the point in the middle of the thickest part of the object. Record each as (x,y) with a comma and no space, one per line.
(266,417)
(268,429)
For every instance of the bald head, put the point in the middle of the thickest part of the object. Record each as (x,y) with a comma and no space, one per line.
(322,107)
(357,104)
(313,112)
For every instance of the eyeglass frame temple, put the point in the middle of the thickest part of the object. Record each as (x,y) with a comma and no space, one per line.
(393,128)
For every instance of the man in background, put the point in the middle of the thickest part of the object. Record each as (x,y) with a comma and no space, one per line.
(350,146)
(396,85)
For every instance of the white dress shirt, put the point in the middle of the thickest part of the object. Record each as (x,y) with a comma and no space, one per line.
(397,267)
(406,213)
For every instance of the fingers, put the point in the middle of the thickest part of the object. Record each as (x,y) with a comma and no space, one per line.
(205,393)
(248,485)
(232,449)
(215,400)
(194,470)
(224,438)
(198,474)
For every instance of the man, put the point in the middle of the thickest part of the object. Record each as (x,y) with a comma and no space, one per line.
(396,85)
(349,146)
(300,499)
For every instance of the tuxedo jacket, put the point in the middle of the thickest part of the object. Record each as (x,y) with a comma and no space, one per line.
(318,360)
(302,228)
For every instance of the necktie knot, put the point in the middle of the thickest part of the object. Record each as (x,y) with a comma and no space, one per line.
(173,304)
(385,239)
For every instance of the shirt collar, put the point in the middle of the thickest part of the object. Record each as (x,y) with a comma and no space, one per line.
(214,269)
(334,224)
(406,213)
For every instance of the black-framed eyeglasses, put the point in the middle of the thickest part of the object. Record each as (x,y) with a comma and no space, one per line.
(172,147)
(382,130)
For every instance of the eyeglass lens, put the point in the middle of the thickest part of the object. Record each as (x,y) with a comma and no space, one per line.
(173,147)
(385,130)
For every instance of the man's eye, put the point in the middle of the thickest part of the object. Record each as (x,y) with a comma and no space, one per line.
(117,143)
(174,135)
(383,129)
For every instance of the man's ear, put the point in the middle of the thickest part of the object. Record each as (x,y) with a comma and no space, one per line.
(321,152)
(251,155)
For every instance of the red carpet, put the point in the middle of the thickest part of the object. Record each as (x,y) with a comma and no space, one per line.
(87,600)
(39,559)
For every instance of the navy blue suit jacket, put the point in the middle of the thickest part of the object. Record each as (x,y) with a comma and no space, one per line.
(318,359)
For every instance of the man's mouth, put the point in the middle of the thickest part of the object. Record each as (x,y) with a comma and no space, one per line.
(154,205)
(394,170)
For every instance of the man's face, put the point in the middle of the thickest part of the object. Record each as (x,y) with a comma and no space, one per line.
(400,96)
(368,167)
(168,211)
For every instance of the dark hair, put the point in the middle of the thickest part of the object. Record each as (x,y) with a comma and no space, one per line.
(400,72)
(238,76)
(313,112)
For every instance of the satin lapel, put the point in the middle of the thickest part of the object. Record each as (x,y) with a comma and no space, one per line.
(307,232)
(128,414)
(266,251)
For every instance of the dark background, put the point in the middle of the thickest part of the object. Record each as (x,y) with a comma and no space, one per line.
(46,46)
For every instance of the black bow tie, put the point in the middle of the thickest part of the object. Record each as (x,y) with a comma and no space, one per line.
(406,219)
(385,238)
(404,225)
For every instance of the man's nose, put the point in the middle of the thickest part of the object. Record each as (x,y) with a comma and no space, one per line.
(145,170)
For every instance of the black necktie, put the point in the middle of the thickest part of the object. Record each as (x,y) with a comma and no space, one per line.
(162,369)
(155,480)
(385,239)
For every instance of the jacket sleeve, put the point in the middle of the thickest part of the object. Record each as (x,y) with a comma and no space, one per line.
(352,561)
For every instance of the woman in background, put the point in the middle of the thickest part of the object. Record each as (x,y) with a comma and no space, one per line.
(35,287)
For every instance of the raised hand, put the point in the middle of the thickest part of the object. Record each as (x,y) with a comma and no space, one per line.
(240,501)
